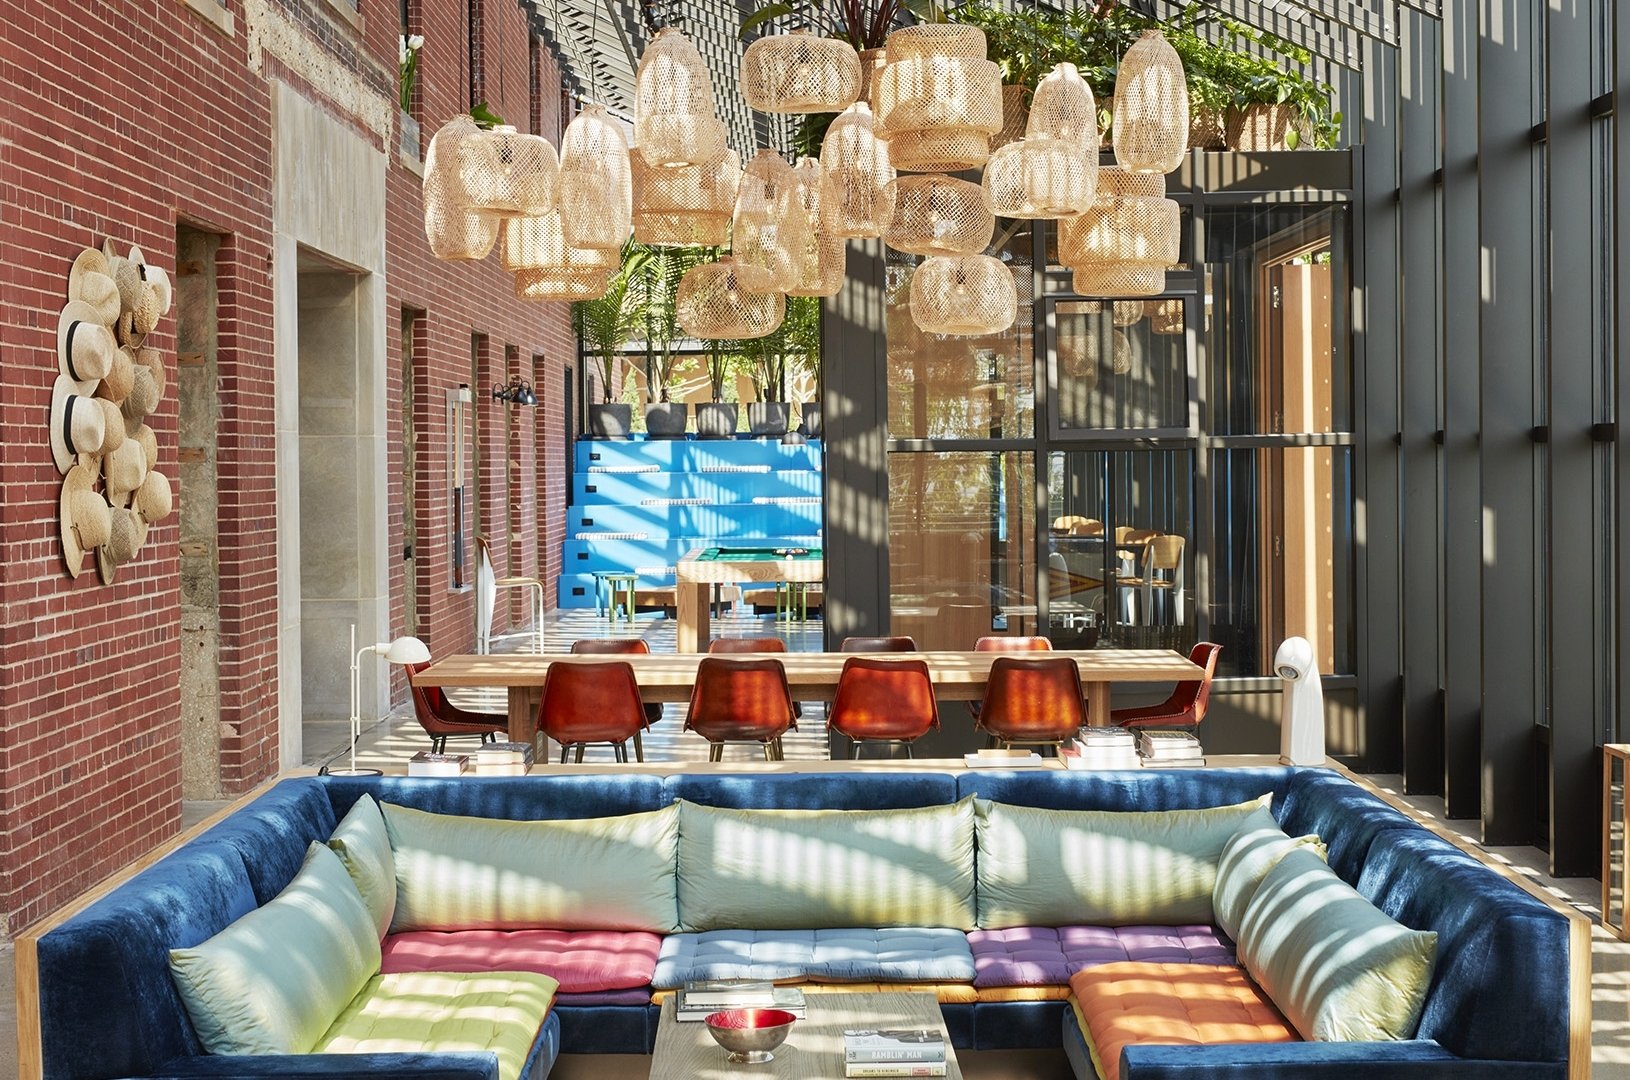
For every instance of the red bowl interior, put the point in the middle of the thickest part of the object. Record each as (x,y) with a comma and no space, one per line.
(750,1018)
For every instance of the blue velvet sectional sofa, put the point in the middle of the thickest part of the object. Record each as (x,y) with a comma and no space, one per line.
(1498,1004)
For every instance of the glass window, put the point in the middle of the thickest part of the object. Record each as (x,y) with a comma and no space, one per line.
(961,546)
(1119,366)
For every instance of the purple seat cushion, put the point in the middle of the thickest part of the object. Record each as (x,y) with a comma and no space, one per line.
(606,997)
(1048,956)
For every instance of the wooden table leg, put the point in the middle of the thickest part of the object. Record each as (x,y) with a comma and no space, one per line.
(693,628)
(1097,704)
(523,714)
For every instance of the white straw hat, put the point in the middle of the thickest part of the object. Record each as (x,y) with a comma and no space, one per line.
(76,424)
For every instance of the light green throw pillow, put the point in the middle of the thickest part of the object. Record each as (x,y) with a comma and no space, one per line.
(810,869)
(364,847)
(1100,867)
(470,873)
(1337,967)
(1246,859)
(273,981)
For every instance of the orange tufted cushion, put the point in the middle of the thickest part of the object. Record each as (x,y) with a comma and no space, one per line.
(1127,1004)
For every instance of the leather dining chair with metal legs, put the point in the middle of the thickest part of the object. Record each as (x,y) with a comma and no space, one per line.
(442,720)
(896,643)
(1032,700)
(883,701)
(592,703)
(729,646)
(622,647)
(740,701)
(1189,700)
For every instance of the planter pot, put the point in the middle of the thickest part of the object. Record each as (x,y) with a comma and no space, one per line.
(611,421)
(768,417)
(1208,129)
(1263,127)
(716,420)
(812,420)
(408,141)
(666,419)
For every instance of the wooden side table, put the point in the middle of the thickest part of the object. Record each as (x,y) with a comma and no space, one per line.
(617,583)
(1615,827)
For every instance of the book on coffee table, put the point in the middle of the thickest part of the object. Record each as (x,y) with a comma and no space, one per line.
(894,1068)
(893,1045)
(424,763)
(715,995)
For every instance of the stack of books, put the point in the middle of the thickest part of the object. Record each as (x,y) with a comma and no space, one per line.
(503,759)
(1169,749)
(702,998)
(894,1052)
(1102,748)
(424,763)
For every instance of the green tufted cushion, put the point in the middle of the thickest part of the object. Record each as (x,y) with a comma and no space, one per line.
(814,869)
(1246,859)
(469,873)
(364,847)
(1100,867)
(1337,967)
(273,981)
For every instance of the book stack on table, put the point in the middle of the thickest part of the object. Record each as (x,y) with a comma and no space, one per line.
(701,998)
(1169,749)
(504,759)
(894,1052)
(424,763)
(1102,748)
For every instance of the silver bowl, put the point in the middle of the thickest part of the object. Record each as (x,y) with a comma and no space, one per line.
(750,1034)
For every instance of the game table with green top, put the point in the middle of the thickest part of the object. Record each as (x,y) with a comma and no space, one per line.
(702,568)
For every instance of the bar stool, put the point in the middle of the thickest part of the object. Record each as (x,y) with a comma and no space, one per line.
(883,701)
(740,701)
(622,647)
(897,643)
(1032,700)
(487,583)
(592,703)
(615,583)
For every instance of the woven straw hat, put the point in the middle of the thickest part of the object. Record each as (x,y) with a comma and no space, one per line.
(149,445)
(76,424)
(159,281)
(89,281)
(88,261)
(141,401)
(124,470)
(83,518)
(153,499)
(144,316)
(84,346)
(116,385)
(127,276)
(113,425)
(127,533)
(153,361)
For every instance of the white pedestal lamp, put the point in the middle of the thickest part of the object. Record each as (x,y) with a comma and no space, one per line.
(1301,717)
(404,650)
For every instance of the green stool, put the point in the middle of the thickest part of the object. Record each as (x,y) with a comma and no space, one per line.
(791,597)
(616,583)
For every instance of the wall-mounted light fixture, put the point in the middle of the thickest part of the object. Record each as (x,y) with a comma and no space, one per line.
(517,391)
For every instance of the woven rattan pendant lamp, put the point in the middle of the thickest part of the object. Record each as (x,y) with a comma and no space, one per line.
(1125,242)
(1126,312)
(963,295)
(711,303)
(675,121)
(1151,127)
(1165,316)
(938,100)
(821,270)
(556,283)
(596,182)
(1040,177)
(508,173)
(1063,108)
(857,166)
(771,236)
(539,243)
(688,206)
(454,232)
(800,73)
(939,215)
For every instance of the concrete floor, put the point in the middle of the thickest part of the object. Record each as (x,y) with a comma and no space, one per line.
(390,742)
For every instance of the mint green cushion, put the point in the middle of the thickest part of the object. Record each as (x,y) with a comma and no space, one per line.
(1100,867)
(816,869)
(364,847)
(469,873)
(1250,853)
(1337,967)
(273,981)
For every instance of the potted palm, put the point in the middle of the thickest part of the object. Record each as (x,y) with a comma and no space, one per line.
(664,417)
(603,326)
(802,330)
(716,419)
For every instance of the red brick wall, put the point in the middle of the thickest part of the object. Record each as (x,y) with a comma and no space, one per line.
(104,133)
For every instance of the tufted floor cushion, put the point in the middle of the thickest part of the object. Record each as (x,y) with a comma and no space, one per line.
(1048,955)
(581,961)
(1119,1005)
(890,954)
(438,1012)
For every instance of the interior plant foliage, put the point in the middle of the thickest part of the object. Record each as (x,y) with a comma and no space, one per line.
(659,274)
(796,341)
(606,324)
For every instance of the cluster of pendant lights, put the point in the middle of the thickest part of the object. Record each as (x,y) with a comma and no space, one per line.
(931,105)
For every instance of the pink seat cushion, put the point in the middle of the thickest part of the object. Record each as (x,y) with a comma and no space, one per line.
(583,961)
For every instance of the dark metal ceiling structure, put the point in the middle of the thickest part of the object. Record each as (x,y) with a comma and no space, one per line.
(599,42)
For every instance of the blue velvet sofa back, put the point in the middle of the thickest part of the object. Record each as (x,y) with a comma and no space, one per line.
(1499,992)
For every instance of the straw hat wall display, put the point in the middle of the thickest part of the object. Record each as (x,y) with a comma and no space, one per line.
(108,383)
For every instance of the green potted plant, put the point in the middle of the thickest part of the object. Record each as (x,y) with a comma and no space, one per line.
(802,332)
(662,270)
(604,326)
(1273,107)
(717,419)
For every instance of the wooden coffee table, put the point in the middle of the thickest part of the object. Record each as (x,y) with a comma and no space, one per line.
(814,1048)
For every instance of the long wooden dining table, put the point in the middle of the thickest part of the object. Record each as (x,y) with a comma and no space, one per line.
(812,676)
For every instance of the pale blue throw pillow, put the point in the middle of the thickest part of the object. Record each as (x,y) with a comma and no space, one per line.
(1246,859)
(364,847)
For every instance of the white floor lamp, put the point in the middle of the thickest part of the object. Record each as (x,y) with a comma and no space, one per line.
(404,650)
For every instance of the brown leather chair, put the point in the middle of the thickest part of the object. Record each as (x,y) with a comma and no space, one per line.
(736,645)
(1007,643)
(740,701)
(442,720)
(592,703)
(622,647)
(898,643)
(883,701)
(1033,700)
(1189,701)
